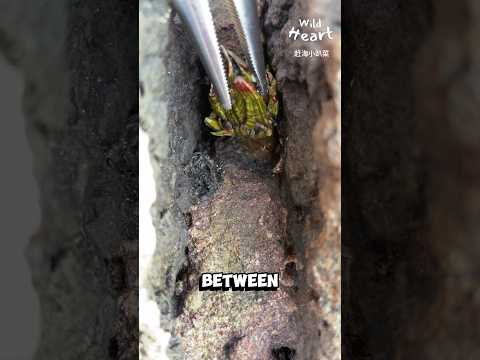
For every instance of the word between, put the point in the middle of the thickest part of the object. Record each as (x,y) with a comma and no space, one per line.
(239,281)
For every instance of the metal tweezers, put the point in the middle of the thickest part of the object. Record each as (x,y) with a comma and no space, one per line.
(197,17)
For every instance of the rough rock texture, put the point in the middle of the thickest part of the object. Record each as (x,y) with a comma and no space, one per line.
(83,136)
(310,90)
(241,228)
(170,89)
(218,209)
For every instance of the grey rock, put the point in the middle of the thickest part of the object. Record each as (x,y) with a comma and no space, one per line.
(83,143)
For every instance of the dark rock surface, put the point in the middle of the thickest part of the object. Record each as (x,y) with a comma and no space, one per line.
(83,136)
(202,181)
(310,90)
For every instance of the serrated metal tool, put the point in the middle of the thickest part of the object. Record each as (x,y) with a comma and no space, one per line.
(199,22)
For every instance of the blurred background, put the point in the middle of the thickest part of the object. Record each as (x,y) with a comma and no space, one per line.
(20,214)
(410,175)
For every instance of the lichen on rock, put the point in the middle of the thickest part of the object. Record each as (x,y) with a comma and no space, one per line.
(240,229)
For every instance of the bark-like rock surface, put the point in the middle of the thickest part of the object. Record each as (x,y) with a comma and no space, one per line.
(311,112)
(241,228)
(171,84)
(219,208)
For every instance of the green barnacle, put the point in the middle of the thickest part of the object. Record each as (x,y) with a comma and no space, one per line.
(252,116)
